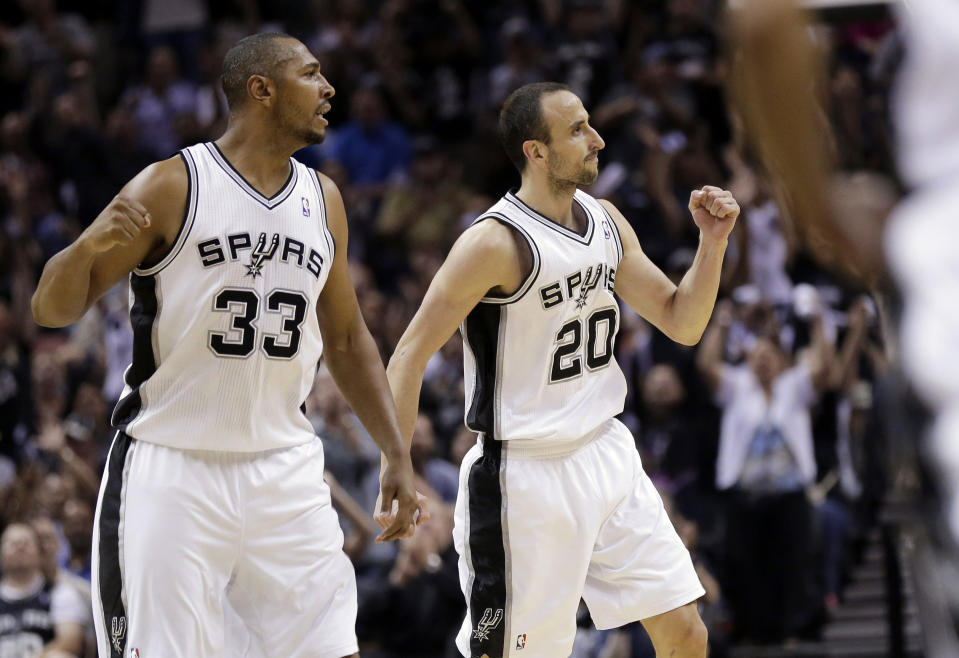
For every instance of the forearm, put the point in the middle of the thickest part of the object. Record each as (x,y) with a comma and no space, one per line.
(775,72)
(692,303)
(406,381)
(358,372)
(61,295)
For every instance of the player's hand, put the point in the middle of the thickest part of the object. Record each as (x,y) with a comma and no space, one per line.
(119,224)
(714,211)
(420,516)
(397,504)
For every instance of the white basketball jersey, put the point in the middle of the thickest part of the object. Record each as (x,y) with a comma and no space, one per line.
(539,364)
(926,102)
(225,335)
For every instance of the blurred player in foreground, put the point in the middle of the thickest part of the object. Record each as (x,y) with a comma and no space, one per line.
(776,69)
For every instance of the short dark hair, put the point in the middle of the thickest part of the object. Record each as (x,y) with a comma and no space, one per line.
(522,118)
(257,54)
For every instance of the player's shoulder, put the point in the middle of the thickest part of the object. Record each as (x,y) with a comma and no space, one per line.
(327,184)
(165,177)
(489,240)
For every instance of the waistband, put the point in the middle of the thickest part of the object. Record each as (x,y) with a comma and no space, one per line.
(540,449)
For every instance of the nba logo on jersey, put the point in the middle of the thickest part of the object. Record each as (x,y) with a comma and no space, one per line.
(606,229)
(521,641)
(306,206)
(134,653)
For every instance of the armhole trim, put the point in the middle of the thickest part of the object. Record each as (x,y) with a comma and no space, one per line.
(534,250)
(614,229)
(189,217)
(327,233)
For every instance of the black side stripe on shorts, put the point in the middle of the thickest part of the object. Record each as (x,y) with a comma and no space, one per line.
(488,603)
(111,585)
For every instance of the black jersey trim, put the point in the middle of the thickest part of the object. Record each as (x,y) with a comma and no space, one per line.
(489,607)
(614,229)
(189,217)
(143,316)
(481,331)
(559,228)
(269,202)
(109,583)
(527,283)
(327,233)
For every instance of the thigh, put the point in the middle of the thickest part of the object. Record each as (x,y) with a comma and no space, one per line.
(166,537)
(640,567)
(294,587)
(524,550)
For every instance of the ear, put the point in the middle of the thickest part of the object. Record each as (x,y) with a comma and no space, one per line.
(261,89)
(535,152)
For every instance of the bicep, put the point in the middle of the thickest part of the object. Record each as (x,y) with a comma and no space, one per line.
(476,264)
(162,189)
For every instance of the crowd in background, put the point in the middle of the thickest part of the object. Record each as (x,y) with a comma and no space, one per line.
(762,440)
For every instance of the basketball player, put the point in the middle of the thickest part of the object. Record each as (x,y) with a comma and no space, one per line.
(553,502)
(915,245)
(213,494)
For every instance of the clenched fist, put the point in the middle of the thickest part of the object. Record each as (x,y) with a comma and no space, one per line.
(119,224)
(714,211)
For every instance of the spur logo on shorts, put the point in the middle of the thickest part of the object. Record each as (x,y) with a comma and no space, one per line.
(118,629)
(489,622)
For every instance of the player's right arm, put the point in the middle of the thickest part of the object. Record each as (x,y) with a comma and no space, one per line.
(137,226)
(485,260)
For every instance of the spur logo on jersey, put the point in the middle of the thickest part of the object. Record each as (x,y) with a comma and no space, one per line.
(262,254)
(488,623)
(118,630)
(231,248)
(577,286)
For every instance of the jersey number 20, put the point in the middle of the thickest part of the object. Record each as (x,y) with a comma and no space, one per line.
(567,362)
(244,304)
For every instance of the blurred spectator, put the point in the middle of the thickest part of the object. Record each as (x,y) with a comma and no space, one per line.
(164,106)
(35,615)
(766,460)
(417,606)
(585,55)
(373,149)
(522,62)
(441,475)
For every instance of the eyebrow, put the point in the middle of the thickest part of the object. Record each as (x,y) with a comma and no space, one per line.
(578,122)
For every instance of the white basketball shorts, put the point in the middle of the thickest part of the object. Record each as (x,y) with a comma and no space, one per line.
(186,539)
(536,534)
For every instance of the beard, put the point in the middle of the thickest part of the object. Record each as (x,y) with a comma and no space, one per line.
(564,175)
(292,123)
(312,136)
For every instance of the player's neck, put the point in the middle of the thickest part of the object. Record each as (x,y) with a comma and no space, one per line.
(551,202)
(261,160)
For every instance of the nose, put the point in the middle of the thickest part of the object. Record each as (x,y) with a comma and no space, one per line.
(597,142)
(326,89)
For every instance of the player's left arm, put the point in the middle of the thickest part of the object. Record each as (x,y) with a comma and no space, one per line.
(681,312)
(354,362)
